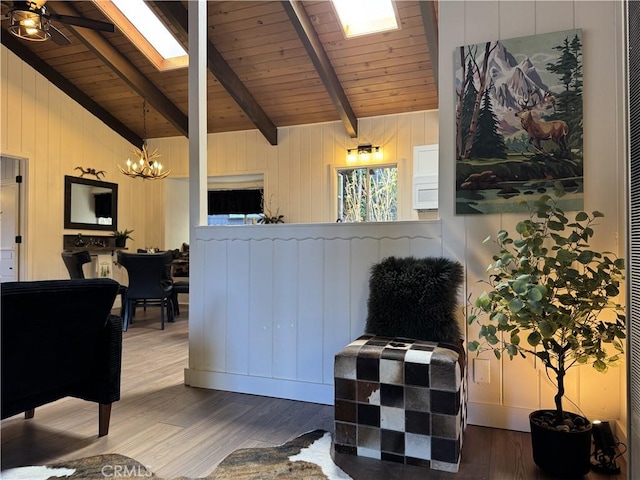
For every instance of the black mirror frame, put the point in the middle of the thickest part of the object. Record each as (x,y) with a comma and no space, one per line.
(68,181)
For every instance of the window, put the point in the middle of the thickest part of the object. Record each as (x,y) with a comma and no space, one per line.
(144,29)
(368,194)
(361,17)
(234,207)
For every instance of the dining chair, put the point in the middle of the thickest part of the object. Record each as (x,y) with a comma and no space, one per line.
(150,283)
(74,262)
(180,286)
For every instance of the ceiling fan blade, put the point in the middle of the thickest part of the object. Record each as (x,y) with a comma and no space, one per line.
(83,22)
(58,37)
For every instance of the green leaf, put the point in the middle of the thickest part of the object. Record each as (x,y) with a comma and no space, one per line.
(471,318)
(535,294)
(534,339)
(501,318)
(560,240)
(519,287)
(612,290)
(585,257)
(553,225)
(515,305)
(564,256)
(512,350)
(546,329)
(473,346)
(597,214)
(581,217)
(497,354)
(487,240)
(600,366)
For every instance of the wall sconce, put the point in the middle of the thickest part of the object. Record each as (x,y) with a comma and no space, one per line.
(364,153)
(605,448)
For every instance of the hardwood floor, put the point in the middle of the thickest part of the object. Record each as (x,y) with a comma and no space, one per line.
(177,430)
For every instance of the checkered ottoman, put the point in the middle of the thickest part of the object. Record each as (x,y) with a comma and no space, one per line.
(401,400)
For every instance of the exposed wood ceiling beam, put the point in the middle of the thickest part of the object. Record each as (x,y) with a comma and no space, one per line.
(95,42)
(303,26)
(428,11)
(177,14)
(70,89)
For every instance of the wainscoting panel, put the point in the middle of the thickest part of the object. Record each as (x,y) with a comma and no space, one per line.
(310,308)
(281,300)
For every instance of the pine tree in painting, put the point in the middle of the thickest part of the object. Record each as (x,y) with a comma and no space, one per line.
(488,143)
(568,103)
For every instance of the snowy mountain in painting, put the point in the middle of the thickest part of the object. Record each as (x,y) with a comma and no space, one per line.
(511,85)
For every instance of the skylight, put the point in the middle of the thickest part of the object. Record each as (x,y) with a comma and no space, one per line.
(144,29)
(362,17)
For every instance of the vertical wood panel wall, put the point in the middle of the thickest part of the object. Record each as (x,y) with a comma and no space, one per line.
(55,135)
(299,173)
(41,124)
(279,301)
(516,387)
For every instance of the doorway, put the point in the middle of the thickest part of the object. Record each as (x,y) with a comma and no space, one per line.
(12,210)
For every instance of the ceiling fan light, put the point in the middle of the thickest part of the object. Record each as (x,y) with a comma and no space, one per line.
(29,26)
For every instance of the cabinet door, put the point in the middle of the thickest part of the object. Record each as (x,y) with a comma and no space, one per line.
(425,177)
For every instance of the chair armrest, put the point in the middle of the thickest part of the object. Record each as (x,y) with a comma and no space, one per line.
(104,384)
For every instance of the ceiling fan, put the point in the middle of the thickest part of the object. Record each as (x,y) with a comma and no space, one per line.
(30,20)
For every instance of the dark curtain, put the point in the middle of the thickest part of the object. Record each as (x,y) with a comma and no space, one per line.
(103,205)
(222,202)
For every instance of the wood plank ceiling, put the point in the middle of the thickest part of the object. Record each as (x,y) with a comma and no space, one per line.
(271,64)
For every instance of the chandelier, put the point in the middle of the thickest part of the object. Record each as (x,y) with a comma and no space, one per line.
(144,165)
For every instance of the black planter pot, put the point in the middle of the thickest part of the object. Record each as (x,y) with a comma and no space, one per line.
(564,454)
(121,242)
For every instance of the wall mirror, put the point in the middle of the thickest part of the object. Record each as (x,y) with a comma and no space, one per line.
(90,204)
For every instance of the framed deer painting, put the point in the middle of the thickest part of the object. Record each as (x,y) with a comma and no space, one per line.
(519,123)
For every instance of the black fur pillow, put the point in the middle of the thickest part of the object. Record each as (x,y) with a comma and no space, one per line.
(415,298)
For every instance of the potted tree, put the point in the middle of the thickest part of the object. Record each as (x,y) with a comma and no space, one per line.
(121,237)
(547,291)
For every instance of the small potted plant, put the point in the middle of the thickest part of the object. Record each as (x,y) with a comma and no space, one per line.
(547,291)
(121,237)
(268,217)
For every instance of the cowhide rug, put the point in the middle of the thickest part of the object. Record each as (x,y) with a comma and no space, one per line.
(307,457)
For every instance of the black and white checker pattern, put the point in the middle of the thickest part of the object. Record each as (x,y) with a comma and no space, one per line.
(401,400)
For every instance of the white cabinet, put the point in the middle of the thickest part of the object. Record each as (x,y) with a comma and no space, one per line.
(425,177)
(7,265)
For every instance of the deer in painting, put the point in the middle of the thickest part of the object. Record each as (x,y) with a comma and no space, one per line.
(555,130)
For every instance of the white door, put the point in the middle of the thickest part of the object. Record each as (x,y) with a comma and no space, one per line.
(9,218)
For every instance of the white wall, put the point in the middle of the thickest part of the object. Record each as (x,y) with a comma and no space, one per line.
(299,173)
(55,134)
(296,173)
(515,387)
(272,304)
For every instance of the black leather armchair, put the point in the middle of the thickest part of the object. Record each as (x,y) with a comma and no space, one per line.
(59,340)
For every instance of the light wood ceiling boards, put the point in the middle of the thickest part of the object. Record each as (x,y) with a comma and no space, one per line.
(272,64)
